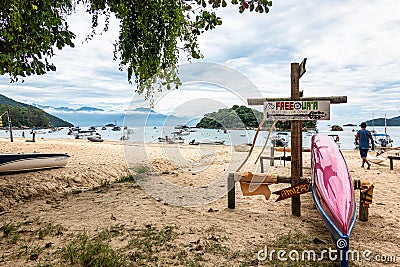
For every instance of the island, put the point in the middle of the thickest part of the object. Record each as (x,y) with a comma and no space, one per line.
(241,117)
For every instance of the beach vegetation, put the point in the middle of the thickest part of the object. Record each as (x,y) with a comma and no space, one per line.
(50,229)
(8,229)
(152,34)
(127,179)
(76,191)
(104,185)
(141,169)
(87,251)
(146,245)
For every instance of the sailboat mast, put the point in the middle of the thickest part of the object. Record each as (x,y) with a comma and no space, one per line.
(373,122)
(385,123)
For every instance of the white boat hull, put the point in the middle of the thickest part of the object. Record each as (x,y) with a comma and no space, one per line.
(34,161)
(375,159)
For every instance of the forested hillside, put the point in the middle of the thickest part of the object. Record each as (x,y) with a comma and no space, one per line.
(24,115)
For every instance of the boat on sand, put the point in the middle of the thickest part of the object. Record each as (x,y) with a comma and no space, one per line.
(95,138)
(212,142)
(18,162)
(333,192)
(375,159)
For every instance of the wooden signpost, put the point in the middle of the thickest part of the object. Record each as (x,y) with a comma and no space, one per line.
(296,109)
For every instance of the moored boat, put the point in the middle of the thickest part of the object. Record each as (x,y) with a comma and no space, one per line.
(242,147)
(212,142)
(175,140)
(280,139)
(333,192)
(95,138)
(18,162)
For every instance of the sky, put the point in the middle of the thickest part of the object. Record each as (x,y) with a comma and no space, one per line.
(352,49)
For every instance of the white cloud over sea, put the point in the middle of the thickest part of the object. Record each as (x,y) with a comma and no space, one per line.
(351,46)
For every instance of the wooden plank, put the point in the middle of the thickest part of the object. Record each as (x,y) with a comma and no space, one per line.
(289,149)
(263,178)
(391,158)
(332,99)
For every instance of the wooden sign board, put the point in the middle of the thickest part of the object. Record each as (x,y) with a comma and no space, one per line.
(293,191)
(297,110)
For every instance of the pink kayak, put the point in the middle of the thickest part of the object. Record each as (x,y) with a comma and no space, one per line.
(333,190)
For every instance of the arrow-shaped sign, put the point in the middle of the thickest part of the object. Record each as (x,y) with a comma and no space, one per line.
(293,191)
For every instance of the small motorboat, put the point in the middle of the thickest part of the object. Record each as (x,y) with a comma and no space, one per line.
(280,140)
(175,140)
(194,142)
(212,142)
(95,138)
(81,134)
(18,162)
(243,147)
(333,191)
(375,159)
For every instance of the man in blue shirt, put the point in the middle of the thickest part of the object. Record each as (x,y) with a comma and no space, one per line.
(362,138)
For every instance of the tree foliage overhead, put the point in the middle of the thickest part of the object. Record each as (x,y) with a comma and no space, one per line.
(152,34)
(29,32)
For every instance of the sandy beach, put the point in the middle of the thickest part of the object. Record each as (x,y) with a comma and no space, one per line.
(175,213)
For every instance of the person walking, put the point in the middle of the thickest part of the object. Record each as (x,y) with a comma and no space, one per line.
(362,139)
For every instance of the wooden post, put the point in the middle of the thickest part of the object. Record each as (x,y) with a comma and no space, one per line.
(272,156)
(10,125)
(231,191)
(284,156)
(296,140)
(363,213)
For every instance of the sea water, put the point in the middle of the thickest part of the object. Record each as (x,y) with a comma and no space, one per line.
(231,137)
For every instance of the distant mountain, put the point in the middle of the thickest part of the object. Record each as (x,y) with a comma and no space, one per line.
(89,109)
(67,109)
(90,116)
(31,116)
(381,122)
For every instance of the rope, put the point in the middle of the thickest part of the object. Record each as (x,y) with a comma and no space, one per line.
(266,141)
(252,146)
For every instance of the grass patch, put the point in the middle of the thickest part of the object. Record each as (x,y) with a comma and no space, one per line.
(105,184)
(149,244)
(127,179)
(91,252)
(142,169)
(8,229)
(294,237)
(76,191)
(50,229)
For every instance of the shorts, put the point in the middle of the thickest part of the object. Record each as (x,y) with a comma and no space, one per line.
(363,153)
